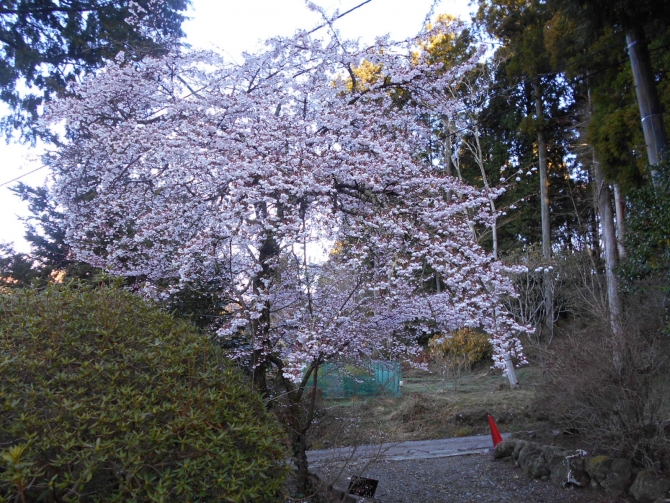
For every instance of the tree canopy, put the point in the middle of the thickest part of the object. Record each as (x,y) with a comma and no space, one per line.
(231,173)
(47,44)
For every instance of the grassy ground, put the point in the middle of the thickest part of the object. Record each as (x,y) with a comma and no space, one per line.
(430,407)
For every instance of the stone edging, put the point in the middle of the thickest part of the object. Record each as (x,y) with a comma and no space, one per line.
(574,468)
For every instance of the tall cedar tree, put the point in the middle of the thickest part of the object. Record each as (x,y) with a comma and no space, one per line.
(515,124)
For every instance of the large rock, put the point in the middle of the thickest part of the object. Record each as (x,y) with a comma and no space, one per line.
(612,474)
(618,478)
(531,460)
(504,449)
(649,486)
(557,464)
(577,475)
(598,467)
(528,450)
(519,445)
(536,466)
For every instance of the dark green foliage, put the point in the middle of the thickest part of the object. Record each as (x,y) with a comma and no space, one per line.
(614,129)
(648,238)
(46,44)
(509,126)
(626,13)
(587,39)
(45,228)
(105,398)
(50,256)
(16,269)
(519,25)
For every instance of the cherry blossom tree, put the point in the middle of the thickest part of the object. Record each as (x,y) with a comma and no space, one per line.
(186,168)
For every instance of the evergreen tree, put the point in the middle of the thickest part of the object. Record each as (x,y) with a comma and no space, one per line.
(51,257)
(639,22)
(46,44)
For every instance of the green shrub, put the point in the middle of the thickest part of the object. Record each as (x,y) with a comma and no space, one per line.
(463,344)
(105,398)
(457,353)
(648,233)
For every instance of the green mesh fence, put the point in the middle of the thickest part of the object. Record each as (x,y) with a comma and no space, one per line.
(342,380)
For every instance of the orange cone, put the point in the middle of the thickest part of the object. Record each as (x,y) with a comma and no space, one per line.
(495,434)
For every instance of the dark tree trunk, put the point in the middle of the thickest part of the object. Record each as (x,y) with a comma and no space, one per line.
(544,206)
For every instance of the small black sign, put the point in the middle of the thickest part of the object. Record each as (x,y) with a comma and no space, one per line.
(360,486)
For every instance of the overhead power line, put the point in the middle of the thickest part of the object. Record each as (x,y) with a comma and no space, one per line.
(19,177)
(309,32)
(338,17)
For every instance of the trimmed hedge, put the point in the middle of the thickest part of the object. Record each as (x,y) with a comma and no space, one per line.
(105,398)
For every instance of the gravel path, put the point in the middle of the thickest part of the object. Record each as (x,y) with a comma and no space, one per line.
(402,451)
(458,479)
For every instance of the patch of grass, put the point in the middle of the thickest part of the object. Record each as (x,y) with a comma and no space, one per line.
(465,431)
(430,408)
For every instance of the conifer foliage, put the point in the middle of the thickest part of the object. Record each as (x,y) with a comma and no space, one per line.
(47,44)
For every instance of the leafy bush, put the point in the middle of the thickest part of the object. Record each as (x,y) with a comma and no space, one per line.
(648,236)
(466,343)
(457,353)
(105,398)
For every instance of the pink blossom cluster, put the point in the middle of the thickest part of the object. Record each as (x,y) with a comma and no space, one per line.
(186,169)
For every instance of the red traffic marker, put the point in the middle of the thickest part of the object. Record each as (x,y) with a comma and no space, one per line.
(495,434)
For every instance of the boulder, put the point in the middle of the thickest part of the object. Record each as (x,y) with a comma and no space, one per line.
(519,445)
(557,464)
(649,487)
(598,467)
(618,477)
(612,474)
(564,468)
(577,475)
(536,466)
(528,449)
(504,449)
(532,461)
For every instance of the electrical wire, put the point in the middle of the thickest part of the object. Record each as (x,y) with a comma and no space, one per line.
(19,177)
(478,123)
(338,17)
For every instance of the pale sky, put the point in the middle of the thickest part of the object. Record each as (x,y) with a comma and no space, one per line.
(233,27)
